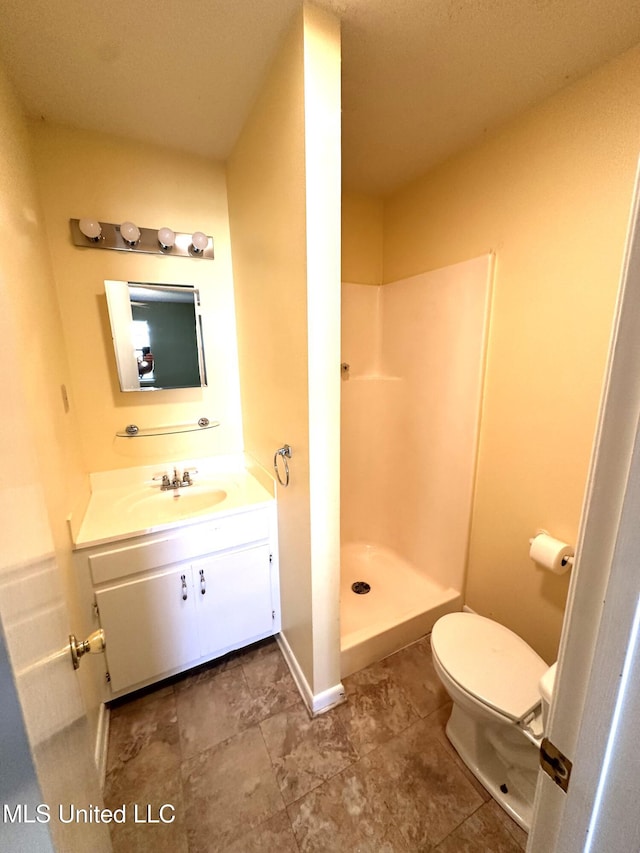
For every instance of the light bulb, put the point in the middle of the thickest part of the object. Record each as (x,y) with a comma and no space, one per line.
(199,241)
(130,233)
(91,228)
(166,238)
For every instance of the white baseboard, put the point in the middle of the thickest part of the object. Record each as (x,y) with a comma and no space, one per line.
(328,699)
(316,703)
(102,743)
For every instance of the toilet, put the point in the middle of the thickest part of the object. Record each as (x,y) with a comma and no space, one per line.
(501,691)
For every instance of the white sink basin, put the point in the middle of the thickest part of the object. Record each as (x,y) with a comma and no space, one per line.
(160,507)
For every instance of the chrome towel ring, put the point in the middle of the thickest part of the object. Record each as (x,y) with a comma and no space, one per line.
(285,453)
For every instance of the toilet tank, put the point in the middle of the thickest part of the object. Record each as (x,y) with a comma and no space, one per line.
(545,686)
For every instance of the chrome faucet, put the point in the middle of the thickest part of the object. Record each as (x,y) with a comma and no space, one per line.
(176,482)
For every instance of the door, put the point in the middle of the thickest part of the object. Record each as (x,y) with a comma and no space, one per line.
(233,599)
(151,625)
(595,710)
(46,754)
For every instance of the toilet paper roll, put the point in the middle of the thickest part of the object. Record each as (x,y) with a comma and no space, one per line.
(551,553)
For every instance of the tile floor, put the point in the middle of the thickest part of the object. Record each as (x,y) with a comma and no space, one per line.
(232,748)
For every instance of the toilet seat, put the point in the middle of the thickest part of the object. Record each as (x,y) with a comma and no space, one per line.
(489,662)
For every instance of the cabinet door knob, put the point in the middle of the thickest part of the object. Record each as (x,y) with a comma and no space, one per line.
(203,585)
(184,587)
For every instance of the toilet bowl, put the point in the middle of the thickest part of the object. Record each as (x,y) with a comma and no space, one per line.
(496,724)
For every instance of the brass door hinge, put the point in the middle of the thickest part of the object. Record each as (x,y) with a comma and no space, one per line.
(555,764)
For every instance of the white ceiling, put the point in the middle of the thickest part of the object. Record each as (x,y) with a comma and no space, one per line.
(421,78)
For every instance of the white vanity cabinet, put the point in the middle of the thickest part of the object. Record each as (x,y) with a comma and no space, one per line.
(232,598)
(150,625)
(169,601)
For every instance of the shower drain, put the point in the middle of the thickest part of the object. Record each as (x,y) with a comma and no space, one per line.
(361,587)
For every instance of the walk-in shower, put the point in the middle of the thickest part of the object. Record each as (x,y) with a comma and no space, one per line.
(413,357)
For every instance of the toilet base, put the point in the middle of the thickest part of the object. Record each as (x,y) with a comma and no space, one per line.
(502,760)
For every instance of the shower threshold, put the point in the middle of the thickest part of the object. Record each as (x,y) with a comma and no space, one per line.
(402,605)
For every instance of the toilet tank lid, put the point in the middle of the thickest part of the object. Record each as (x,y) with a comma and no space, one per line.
(490,662)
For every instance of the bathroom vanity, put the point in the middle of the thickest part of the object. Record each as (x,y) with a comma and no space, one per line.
(178,578)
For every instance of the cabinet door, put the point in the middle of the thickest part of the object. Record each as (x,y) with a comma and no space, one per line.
(150,625)
(233,593)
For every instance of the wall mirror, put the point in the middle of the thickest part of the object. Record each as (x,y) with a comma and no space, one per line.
(157,335)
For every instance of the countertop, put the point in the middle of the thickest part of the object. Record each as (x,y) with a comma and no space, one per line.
(130,503)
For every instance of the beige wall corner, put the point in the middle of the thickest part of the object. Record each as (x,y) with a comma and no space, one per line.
(323,181)
(266,182)
(285,240)
(362,238)
(549,193)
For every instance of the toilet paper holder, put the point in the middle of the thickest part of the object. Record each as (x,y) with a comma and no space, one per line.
(550,560)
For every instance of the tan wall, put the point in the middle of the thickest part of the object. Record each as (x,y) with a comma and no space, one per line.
(323,178)
(92,174)
(362,238)
(287,280)
(266,183)
(550,194)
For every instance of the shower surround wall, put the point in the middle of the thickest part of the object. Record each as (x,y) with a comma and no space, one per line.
(410,415)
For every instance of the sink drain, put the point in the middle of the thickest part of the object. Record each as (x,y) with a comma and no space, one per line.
(361,587)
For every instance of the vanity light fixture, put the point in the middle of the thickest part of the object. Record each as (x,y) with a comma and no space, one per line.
(130,233)
(166,238)
(127,237)
(91,229)
(199,242)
